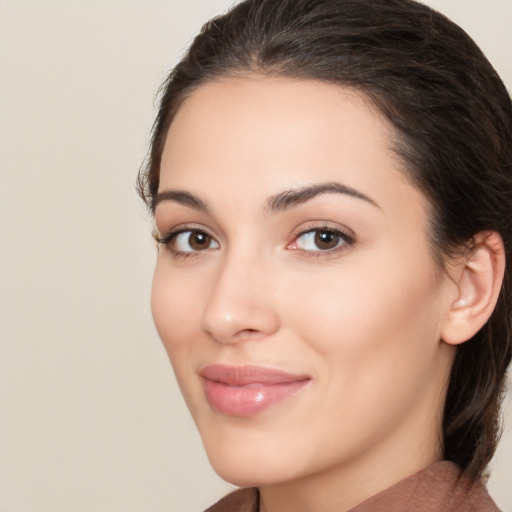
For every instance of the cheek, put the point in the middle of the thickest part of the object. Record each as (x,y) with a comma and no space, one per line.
(374,318)
(375,343)
(173,305)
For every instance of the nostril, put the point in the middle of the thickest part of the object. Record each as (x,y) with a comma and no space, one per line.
(249,334)
(235,313)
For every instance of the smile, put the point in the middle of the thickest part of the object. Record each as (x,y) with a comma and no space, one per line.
(244,391)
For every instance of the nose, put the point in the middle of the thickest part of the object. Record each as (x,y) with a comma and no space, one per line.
(241,306)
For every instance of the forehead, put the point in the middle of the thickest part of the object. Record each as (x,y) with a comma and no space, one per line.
(264,105)
(280,132)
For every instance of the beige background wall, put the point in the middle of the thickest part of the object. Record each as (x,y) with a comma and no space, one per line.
(90,416)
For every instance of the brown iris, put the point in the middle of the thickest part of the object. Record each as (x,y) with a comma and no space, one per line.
(199,241)
(326,240)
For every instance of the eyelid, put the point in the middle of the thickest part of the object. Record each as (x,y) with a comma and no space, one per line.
(345,233)
(175,231)
(319,225)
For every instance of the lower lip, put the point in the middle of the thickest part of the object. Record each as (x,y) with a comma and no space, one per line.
(248,400)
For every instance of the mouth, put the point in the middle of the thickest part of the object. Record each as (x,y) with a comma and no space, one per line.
(244,391)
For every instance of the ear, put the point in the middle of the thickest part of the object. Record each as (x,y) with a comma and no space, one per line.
(478,279)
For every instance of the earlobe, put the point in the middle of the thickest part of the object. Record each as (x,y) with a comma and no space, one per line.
(478,282)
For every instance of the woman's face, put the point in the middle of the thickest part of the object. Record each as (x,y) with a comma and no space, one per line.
(295,289)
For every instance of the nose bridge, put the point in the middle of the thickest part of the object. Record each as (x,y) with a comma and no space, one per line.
(240,305)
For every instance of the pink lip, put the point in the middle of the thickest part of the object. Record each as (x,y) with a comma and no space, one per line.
(247,390)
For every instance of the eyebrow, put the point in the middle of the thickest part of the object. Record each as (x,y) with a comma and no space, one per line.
(276,203)
(289,198)
(181,197)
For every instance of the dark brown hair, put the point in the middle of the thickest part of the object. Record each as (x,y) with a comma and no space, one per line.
(454,120)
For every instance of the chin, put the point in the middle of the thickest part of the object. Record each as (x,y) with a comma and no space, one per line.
(238,476)
(249,464)
(246,473)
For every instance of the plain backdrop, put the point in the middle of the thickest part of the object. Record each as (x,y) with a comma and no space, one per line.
(90,416)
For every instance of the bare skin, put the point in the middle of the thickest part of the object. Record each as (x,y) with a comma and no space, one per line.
(292,241)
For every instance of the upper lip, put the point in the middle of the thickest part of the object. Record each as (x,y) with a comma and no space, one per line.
(245,375)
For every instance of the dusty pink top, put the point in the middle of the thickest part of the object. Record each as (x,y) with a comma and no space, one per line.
(437,488)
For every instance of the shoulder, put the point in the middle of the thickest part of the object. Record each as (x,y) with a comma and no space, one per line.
(438,488)
(480,501)
(243,500)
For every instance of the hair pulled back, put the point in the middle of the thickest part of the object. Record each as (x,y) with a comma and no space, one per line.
(453,117)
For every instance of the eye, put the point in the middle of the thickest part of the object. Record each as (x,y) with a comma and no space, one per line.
(192,241)
(321,240)
(189,241)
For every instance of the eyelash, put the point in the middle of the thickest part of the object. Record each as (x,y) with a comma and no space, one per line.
(344,241)
(172,235)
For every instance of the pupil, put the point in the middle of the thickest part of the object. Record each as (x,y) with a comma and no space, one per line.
(199,241)
(326,240)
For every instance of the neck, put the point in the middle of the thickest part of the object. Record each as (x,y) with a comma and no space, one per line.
(342,487)
(409,447)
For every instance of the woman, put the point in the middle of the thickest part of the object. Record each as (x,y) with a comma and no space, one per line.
(332,186)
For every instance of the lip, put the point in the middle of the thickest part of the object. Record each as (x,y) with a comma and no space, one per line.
(245,391)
